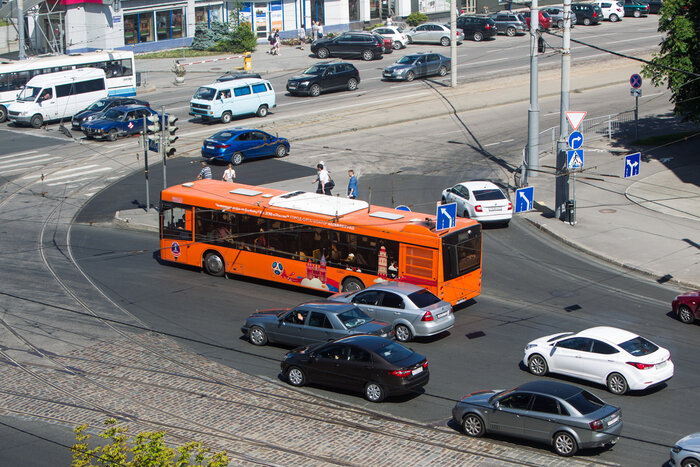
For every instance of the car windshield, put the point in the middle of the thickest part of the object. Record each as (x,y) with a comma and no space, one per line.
(394,352)
(423,298)
(488,195)
(29,94)
(98,106)
(353,318)
(639,346)
(315,70)
(205,94)
(408,59)
(585,402)
(223,136)
(114,115)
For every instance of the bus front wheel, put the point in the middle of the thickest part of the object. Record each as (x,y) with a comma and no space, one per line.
(352,285)
(214,264)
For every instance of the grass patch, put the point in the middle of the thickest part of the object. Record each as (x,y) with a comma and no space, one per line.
(177,53)
(660,140)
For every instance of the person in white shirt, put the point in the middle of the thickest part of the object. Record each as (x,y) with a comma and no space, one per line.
(229,174)
(323,180)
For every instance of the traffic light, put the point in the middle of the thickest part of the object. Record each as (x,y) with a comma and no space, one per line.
(541,45)
(153,130)
(170,137)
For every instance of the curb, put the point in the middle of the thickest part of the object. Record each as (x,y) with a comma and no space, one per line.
(124,223)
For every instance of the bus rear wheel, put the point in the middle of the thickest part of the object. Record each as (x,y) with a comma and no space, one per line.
(214,264)
(352,285)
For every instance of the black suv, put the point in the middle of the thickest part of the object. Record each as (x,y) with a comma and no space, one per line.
(477,27)
(324,76)
(367,46)
(101,106)
(587,13)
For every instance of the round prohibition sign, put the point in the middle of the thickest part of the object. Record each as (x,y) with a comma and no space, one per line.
(636,81)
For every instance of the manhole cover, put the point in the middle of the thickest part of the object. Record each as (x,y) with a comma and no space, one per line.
(607,210)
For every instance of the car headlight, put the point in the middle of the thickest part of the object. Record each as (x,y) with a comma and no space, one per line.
(676,449)
(530,346)
(287,356)
(303,83)
(90,118)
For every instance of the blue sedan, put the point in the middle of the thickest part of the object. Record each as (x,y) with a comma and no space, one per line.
(118,121)
(237,144)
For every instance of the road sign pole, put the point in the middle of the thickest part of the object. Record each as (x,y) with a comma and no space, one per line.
(636,115)
(145,160)
(533,112)
(453,44)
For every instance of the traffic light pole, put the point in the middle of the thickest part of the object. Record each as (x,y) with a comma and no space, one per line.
(453,44)
(561,181)
(145,159)
(161,148)
(533,112)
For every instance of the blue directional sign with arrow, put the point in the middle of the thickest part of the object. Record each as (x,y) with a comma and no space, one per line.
(524,199)
(632,164)
(575,140)
(446,216)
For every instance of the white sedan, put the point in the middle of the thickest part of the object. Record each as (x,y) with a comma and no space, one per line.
(619,359)
(398,38)
(480,200)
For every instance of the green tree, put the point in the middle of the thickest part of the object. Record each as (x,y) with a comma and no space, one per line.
(415,18)
(240,39)
(680,50)
(149,450)
(207,37)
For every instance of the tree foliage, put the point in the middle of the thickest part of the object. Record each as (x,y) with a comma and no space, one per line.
(149,450)
(240,39)
(414,19)
(207,37)
(680,49)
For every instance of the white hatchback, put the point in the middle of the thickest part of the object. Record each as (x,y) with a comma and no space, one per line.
(479,200)
(619,359)
(398,38)
(612,10)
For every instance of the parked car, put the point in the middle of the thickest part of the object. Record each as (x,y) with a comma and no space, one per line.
(231,75)
(433,33)
(322,77)
(556,14)
(587,13)
(118,121)
(351,44)
(238,144)
(686,451)
(687,306)
(398,37)
(619,359)
(544,20)
(376,366)
(412,310)
(562,415)
(509,23)
(479,200)
(477,27)
(654,5)
(101,106)
(612,10)
(311,323)
(635,8)
(419,65)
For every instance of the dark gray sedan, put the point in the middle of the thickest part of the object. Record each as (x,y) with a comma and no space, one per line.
(409,67)
(559,414)
(311,323)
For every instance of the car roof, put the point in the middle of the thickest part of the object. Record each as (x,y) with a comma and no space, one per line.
(395,286)
(237,130)
(327,305)
(228,84)
(610,334)
(127,107)
(366,341)
(480,185)
(552,388)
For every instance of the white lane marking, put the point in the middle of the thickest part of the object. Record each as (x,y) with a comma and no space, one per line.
(508,140)
(29,158)
(25,163)
(77,169)
(17,154)
(71,178)
(490,144)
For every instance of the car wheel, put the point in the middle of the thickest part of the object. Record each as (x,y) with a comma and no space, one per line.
(3,113)
(564,444)
(112,135)
(315,90)
(403,334)
(409,39)
(410,76)
(226,117)
(296,376)
(586,21)
(262,111)
(614,18)
(352,285)
(617,384)
(537,365)
(374,392)
(396,45)
(637,14)
(352,84)
(322,53)
(445,41)
(214,264)
(510,32)
(685,314)
(36,121)
(281,151)
(237,158)
(466,214)
(367,55)
(473,425)
(560,24)
(478,37)
(258,336)
(690,463)
(442,71)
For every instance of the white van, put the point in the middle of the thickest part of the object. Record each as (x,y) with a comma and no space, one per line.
(224,100)
(55,96)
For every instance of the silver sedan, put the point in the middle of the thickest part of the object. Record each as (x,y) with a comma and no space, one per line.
(434,33)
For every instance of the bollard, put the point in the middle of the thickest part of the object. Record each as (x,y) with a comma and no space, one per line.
(247,62)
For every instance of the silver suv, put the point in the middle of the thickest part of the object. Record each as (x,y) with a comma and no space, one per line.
(509,23)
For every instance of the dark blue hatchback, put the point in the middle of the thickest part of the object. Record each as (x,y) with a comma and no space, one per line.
(123,120)
(237,144)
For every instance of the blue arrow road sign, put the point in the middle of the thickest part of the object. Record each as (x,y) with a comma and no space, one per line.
(575,140)
(632,164)
(636,81)
(524,199)
(446,216)
(153,145)
(574,158)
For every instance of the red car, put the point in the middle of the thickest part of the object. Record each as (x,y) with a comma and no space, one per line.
(687,306)
(545,19)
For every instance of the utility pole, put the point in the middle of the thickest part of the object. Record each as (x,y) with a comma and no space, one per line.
(533,112)
(561,191)
(145,159)
(453,44)
(20,29)
(161,148)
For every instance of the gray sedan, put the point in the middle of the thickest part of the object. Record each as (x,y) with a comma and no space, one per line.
(413,66)
(311,323)
(412,310)
(434,33)
(559,414)
(686,451)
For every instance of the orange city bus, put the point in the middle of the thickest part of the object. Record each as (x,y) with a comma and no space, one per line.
(316,241)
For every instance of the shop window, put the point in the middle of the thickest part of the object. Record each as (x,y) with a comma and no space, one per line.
(163,22)
(146,27)
(354,10)
(177,23)
(200,15)
(374,9)
(131,34)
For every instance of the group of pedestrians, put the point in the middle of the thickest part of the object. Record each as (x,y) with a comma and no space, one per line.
(274,39)
(324,182)
(205,173)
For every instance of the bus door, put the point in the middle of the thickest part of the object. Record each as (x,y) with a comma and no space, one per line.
(176,232)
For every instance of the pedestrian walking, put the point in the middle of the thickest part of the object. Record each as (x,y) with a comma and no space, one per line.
(314,30)
(205,172)
(271,40)
(302,36)
(388,21)
(320,30)
(352,185)
(276,45)
(324,182)
(229,174)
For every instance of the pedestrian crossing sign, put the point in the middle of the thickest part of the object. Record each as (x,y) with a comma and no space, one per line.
(574,158)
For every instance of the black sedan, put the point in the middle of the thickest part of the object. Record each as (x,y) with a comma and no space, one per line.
(413,66)
(377,366)
(324,77)
(311,323)
(99,107)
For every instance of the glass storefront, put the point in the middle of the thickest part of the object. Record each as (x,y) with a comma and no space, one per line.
(139,27)
(208,14)
(354,10)
(374,9)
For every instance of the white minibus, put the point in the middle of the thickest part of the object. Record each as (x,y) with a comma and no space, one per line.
(224,100)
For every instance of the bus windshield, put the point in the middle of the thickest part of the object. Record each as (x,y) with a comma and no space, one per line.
(461,252)
(29,94)
(205,94)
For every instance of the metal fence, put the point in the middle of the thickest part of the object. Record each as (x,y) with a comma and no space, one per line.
(591,128)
